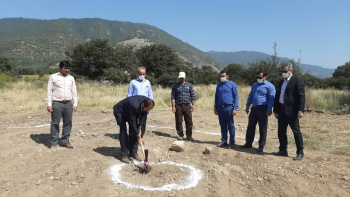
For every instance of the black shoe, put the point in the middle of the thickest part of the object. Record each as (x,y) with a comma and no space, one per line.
(260,151)
(189,138)
(221,144)
(232,146)
(125,159)
(246,146)
(135,156)
(283,153)
(299,157)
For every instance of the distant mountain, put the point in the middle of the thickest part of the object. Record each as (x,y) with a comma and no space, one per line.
(245,57)
(29,42)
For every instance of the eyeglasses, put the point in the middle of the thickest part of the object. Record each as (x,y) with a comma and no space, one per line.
(284,71)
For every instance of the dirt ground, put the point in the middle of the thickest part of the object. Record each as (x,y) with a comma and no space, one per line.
(30,168)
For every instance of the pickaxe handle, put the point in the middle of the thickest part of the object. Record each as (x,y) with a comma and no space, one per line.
(143,150)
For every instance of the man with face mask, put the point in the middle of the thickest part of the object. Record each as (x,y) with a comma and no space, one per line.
(132,110)
(226,105)
(262,96)
(289,107)
(140,86)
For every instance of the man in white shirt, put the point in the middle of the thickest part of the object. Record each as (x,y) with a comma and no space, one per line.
(62,100)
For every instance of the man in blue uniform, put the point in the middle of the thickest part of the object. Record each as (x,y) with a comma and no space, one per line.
(262,97)
(132,110)
(226,105)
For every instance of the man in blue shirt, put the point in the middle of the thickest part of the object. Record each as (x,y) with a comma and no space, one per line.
(141,86)
(262,96)
(182,96)
(226,105)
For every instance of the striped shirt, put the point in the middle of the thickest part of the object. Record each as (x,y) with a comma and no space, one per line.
(182,94)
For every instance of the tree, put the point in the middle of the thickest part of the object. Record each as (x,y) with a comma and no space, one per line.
(270,66)
(161,62)
(236,72)
(5,65)
(342,71)
(91,59)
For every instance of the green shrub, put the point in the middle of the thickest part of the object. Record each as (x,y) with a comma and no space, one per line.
(30,77)
(5,78)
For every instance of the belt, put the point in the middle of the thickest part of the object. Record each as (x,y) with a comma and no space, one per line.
(64,102)
(256,106)
(227,105)
(183,104)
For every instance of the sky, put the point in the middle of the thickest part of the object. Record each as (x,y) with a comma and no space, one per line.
(316,31)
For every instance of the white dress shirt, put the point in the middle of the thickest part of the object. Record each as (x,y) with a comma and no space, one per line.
(61,88)
(283,89)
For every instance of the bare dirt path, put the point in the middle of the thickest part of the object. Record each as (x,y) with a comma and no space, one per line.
(30,168)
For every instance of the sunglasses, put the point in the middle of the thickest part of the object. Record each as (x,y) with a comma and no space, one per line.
(284,71)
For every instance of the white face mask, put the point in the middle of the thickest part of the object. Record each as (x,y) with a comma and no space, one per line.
(142,77)
(260,80)
(285,75)
(223,79)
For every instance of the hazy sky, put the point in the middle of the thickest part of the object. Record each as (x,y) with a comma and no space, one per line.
(320,29)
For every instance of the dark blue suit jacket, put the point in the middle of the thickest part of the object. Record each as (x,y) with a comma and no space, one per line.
(129,110)
(294,97)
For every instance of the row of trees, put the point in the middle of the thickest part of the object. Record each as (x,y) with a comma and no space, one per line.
(97,60)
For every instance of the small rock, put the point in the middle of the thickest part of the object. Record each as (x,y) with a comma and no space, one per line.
(345,178)
(178,146)
(81,176)
(208,150)
(260,179)
(38,183)
(74,183)
(310,176)
(52,178)
(227,164)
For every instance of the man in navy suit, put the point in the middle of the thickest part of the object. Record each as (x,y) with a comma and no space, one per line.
(132,110)
(288,108)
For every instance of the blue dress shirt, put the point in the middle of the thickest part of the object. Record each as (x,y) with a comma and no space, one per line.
(137,87)
(262,94)
(226,94)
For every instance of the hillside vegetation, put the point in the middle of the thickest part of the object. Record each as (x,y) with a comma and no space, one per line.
(32,42)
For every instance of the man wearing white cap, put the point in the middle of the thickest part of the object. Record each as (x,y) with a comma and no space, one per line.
(182,96)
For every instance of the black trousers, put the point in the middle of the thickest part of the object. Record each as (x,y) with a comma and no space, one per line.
(293,122)
(257,115)
(128,142)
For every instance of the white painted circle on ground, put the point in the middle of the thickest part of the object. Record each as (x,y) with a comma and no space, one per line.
(192,179)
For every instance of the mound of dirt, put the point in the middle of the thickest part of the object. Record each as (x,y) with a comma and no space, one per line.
(160,175)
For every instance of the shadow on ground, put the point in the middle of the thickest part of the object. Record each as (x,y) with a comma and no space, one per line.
(108,151)
(42,138)
(113,135)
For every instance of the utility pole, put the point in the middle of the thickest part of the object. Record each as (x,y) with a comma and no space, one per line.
(274,57)
(274,49)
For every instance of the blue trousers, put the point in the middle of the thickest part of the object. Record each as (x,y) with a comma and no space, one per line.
(226,123)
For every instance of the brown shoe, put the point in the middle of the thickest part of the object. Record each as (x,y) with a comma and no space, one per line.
(67,145)
(135,156)
(125,159)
